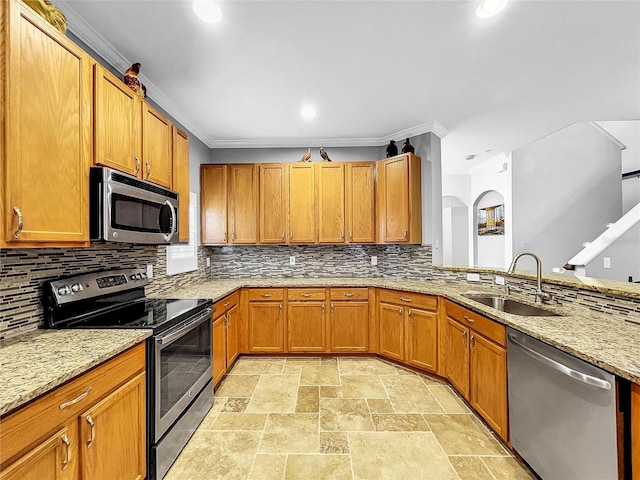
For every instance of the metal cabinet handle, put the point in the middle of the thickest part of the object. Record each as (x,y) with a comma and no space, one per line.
(400,312)
(283,236)
(225,237)
(323,308)
(149,171)
(265,295)
(405,299)
(342,234)
(280,309)
(233,236)
(470,320)
(137,166)
(410,313)
(473,342)
(93,430)
(464,338)
(67,457)
(405,234)
(306,295)
(348,294)
(20,222)
(351,235)
(75,400)
(331,307)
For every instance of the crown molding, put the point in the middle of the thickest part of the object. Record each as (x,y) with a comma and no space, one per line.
(87,34)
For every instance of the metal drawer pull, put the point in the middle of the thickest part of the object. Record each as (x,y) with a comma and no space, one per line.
(76,400)
(67,457)
(266,295)
(93,430)
(148,170)
(570,372)
(20,222)
(348,294)
(470,320)
(405,299)
(137,166)
(306,295)
(226,304)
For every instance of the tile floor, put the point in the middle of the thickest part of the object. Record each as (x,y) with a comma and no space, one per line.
(340,418)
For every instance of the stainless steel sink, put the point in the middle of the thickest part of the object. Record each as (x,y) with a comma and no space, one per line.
(509,305)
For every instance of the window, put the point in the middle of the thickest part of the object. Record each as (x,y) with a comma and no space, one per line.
(184,257)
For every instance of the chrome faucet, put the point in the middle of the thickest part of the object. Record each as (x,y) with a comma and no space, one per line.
(540,294)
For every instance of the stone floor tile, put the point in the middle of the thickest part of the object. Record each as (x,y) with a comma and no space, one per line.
(362,386)
(408,394)
(344,415)
(399,422)
(334,443)
(364,366)
(308,399)
(379,406)
(448,399)
(404,371)
(268,467)
(328,391)
(318,467)
(238,385)
(313,361)
(326,361)
(470,468)
(398,455)
(507,468)
(257,365)
(463,435)
(240,421)
(236,405)
(216,455)
(274,393)
(290,433)
(319,375)
(218,405)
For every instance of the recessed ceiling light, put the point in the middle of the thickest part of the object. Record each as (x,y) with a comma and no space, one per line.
(207,11)
(308,112)
(489,8)
(469,157)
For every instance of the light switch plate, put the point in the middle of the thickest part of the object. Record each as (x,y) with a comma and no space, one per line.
(473,277)
(208,262)
(374,260)
(149,271)
(292,260)
(499,280)
(607,262)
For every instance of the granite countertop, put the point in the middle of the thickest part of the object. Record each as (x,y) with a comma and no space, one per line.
(605,340)
(36,362)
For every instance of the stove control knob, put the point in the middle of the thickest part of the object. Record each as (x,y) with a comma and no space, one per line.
(143,275)
(133,277)
(76,287)
(64,290)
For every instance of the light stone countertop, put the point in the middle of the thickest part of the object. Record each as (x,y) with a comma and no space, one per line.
(36,362)
(605,340)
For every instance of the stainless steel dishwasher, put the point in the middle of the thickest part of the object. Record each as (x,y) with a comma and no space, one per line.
(562,412)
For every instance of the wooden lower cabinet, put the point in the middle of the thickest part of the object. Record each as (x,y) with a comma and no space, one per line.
(635,431)
(458,356)
(391,331)
(225,335)
(306,327)
(233,321)
(219,348)
(349,326)
(266,326)
(93,427)
(422,339)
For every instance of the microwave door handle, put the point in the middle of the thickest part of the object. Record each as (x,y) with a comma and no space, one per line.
(174,223)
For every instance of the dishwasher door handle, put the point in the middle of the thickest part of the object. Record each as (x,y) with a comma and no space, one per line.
(570,372)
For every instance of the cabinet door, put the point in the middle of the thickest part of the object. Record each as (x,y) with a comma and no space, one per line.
(391,331)
(47,120)
(489,382)
(422,339)
(635,427)
(307,327)
(349,326)
(113,434)
(302,207)
(232,334)
(181,180)
(458,356)
(213,204)
(55,458)
(273,203)
(243,204)
(394,199)
(219,348)
(157,164)
(266,327)
(117,123)
(361,202)
(331,203)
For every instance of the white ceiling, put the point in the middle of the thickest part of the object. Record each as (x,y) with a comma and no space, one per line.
(376,69)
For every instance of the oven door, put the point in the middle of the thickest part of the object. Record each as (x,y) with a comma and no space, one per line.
(183,366)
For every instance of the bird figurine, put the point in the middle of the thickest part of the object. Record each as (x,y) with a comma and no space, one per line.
(392,149)
(131,80)
(324,155)
(306,156)
(408,148)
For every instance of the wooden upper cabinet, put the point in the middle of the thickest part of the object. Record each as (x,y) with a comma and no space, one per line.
(243,204)
(117,123)
(213,204)
(302,203)
(274,202)
(399,199)
(156,158)
(45,87)
(181,179)
(331,202)
(360,202)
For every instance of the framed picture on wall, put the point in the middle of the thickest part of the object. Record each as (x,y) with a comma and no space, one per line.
(491,220)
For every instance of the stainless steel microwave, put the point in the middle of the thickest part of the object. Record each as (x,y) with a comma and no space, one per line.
(124,208)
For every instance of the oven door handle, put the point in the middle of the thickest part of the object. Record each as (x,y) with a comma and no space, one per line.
(187,327)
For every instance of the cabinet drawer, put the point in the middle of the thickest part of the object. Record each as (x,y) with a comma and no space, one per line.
(490,329)
(349,294)
(297,294)
(43,416)
(226,303)
(417,300)
(266,294)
